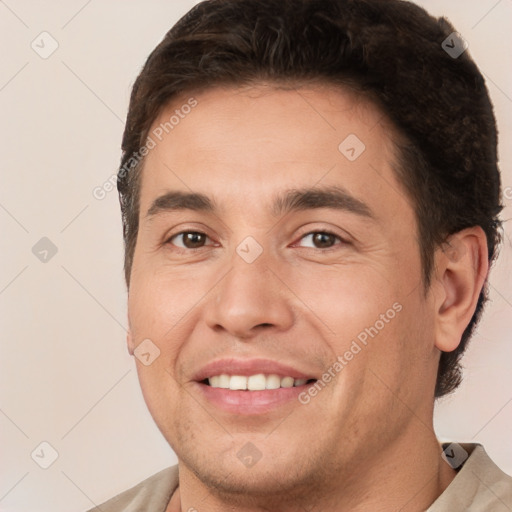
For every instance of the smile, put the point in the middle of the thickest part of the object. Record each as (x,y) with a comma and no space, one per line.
(251,387)
(257,382)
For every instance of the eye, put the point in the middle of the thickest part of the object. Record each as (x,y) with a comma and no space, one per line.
(322,239)
(188,239)
(197,239)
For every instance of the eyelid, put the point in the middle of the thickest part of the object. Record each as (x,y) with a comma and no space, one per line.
(341,238)
(319,227)
(185,231)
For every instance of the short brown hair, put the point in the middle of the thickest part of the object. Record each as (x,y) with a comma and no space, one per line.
(391,50)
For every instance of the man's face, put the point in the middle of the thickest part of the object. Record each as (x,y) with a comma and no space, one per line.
(263,294)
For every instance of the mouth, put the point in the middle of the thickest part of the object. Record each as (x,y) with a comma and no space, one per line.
(256,382)
(252,387)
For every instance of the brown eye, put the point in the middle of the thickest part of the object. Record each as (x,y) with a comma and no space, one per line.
(189,240)
(321,239)
(324,240)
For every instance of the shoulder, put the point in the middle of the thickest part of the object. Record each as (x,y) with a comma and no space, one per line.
(150,495)
(479,485)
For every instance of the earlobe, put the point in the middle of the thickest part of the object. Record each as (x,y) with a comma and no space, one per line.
(461,266)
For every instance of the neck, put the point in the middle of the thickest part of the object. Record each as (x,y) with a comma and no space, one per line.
(407,475)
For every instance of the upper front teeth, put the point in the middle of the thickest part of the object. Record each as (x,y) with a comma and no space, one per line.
(254,382)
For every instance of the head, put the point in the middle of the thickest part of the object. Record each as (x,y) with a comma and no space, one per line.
(246,99)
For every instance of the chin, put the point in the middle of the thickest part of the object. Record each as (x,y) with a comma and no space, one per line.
(264,480)
(225,466)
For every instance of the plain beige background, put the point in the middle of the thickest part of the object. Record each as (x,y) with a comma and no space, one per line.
(66,377)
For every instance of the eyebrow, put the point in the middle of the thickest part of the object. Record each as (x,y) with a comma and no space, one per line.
(333,197)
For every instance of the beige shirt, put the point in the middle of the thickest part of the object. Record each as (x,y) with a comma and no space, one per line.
(479,486)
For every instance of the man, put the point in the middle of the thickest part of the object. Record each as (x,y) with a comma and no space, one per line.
(310,200)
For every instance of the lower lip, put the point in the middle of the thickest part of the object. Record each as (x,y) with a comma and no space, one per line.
(251,402)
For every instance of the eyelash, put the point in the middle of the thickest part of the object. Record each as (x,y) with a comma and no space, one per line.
(323,231)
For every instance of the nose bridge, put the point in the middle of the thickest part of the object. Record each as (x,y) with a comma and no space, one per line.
(249,295)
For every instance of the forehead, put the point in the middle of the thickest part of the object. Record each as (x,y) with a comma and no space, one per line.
(266,113)
(243,144)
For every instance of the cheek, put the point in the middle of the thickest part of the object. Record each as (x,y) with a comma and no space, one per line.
(368,321)
(153,315)
(348,299)
(157,304)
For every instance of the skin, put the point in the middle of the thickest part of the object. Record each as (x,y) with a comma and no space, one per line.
(366,441)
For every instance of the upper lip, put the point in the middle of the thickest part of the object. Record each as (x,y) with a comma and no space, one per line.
(247,367)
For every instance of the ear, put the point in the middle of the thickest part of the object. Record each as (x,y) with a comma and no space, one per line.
(461,270)
(129,339)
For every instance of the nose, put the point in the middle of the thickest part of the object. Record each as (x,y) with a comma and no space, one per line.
(249,299)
